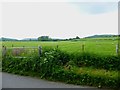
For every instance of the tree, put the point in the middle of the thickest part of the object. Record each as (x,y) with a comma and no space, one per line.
(44,38)
(77,37)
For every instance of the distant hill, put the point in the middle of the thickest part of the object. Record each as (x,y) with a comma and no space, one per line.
(29,39)
(102,36)
(7,39)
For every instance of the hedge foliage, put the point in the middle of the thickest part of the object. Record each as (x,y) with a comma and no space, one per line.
(51,66)
(107,62)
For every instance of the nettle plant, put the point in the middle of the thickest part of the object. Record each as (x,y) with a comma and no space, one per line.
(56,57)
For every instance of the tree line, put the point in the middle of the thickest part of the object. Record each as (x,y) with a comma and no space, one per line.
(47,38)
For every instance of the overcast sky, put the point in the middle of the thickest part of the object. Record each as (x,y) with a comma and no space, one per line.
(58,19)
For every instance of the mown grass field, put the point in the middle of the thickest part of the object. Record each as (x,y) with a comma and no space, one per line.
(105,47)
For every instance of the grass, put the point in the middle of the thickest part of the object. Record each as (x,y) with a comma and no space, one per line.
(95,72)
(107,47)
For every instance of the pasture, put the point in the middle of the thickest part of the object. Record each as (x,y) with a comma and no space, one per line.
(104,47)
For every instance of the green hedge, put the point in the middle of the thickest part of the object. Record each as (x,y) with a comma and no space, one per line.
(51,66)
(107,62)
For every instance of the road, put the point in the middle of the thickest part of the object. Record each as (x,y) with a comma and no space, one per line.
(16,81)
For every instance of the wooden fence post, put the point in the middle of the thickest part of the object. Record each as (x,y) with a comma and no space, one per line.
(4,50)
(57,46)
(39,51)
(83,47)
(117,48)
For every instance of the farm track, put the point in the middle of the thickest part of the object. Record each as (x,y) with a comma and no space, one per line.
(16,81)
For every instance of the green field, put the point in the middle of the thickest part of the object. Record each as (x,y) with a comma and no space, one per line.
(106,47)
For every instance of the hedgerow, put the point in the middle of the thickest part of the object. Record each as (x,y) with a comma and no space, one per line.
(107,62)
(51,63)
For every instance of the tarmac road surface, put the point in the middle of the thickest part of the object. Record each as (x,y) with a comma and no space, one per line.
(17,81)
